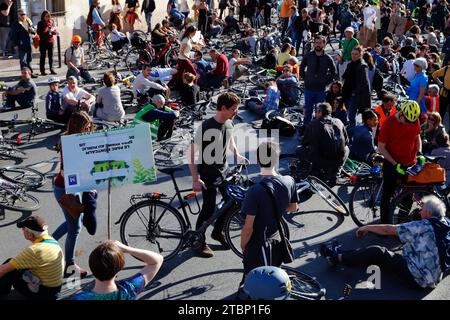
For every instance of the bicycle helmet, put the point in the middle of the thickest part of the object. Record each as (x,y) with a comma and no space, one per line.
(76,38)
(53,79)
(237,193)
(267,283)
(411,110)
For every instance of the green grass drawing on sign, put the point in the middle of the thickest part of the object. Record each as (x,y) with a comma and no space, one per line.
(141,174)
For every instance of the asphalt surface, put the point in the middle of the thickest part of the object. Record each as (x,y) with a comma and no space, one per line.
(188,276)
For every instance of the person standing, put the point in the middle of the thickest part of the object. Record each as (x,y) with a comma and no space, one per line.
(202,17)
(444,94)
(318,71)
(148,7)
(356,89)
(285,15)
(348,44)
(115,16)
(130,13)
(260,238)
(416,91)
(21,31)
(97,23)
(5,25)
(212,140)
(46,30)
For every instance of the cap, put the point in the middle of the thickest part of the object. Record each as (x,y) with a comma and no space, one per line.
(421,62)
(34,223)
(52,80)
(349,29)
(338,53)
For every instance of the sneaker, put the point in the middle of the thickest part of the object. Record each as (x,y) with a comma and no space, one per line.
(52,71)
(205,251)
(75,269)
(34,76)
(43,73)
(330,252)
(218,236)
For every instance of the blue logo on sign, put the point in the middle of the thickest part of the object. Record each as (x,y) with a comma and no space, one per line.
(72,180)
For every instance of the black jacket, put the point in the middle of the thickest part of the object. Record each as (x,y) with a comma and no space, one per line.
(356,84)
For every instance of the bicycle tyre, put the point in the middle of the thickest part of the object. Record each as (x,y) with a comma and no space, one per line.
(170,153)
(332,198)
(167,210)
(171,58)
(136,58)
(370,203)
(12,153)
(233,227)
(303,285)
(127,98)
(401,212)
(24,176)
(9,201)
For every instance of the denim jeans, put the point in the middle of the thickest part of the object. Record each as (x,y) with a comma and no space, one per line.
(148,19)
(21,99)
(83,74)
(213,32)
(352,110)
(312,98)
(70,226)
(25,58)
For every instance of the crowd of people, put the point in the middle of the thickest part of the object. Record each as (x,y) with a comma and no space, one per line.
(407,41)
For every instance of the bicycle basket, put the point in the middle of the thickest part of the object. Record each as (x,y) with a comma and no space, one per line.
(430,174)
(138,41)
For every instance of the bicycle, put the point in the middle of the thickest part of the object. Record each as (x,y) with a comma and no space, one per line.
(158,223)
(10,152)
(27,177)
(14,197)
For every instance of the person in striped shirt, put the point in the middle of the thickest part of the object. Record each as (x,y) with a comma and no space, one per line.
(37,272)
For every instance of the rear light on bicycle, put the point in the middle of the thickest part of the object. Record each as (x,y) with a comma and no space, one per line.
(156,195)
(190,196)
(18,140)
(353,179)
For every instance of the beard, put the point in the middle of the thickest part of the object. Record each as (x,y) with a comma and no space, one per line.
(318,49)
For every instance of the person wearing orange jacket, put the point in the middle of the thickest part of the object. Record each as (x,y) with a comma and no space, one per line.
(285,14)
(386,109)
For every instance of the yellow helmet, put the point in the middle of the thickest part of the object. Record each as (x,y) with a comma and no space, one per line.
(411,110)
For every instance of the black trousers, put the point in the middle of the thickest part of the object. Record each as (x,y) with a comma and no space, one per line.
(165,129)
(209,200)
(380,256)
(45,48)
(14,279)
(444,105)
(390,182)
(259,253)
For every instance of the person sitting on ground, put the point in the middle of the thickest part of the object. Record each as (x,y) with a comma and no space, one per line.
(289,87)
(271,101)
(339,110)
(24,92)
(109,105)
(426,251)
(107,260)
(202,67)
(432,99)
(285,54)
(432,129)
(161,118)
(270,60)
(177,18)
(118,39)
(328,154)
(54,102)
(362,145)
(237,64)
(443,149)
(217,75)
(293,62)
(74,97)
(189,91)
(162,75)
(37,272)
(75,61)
(387,108)
(214,25)
(231,23)
(143,85)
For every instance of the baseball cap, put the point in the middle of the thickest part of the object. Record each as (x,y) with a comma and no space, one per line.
(349,29)
(34,223)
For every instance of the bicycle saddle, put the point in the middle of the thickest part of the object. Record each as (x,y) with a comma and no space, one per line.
(237,193)
(170,171)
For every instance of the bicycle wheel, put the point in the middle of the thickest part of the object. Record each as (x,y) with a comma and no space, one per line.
(155,226)
(258,80)
(127,97)
(406,206)
(328,195)
(26,177)
(304,286)
(171,58)
(18,200)
(136,59)
(289,165)
(12,153)
(365,202)
(170,153)
(233,227)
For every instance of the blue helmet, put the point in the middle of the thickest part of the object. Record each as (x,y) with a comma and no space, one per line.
(267,283)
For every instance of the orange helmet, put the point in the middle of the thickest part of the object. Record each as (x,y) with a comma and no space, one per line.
(76,38)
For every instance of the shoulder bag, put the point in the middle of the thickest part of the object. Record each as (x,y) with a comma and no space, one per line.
(287,253)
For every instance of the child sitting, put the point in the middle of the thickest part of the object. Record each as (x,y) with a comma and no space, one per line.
(189,91)
(271,101)
(339,110)
(118,39)
(432,99)
(53,102)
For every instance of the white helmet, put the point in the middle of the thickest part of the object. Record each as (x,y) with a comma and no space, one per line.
(53,80)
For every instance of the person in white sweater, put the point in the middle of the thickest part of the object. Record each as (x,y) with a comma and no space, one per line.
(109,105)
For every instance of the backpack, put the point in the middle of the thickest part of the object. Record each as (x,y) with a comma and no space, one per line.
(285,127)
(332,143)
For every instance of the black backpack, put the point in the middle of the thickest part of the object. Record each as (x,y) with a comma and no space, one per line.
(332,143)
(285,127)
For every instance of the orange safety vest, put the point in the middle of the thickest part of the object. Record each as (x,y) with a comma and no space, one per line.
(381,115)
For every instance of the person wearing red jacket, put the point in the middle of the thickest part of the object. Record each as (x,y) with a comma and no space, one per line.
(46,31)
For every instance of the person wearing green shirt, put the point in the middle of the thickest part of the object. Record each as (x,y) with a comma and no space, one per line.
(348,44)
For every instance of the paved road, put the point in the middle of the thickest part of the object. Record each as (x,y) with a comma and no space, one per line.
(190,277)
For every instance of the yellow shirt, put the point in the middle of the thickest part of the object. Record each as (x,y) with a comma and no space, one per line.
(440,73)
(44,260)
(282,58)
